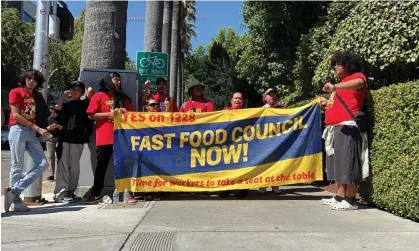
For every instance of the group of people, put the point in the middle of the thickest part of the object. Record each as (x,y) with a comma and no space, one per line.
(69,127)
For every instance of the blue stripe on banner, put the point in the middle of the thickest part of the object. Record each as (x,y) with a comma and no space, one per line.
(177,160)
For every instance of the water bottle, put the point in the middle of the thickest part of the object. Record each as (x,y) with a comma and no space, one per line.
(115,197)
(126,195)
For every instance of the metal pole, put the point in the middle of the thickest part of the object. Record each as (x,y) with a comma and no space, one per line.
(41,63)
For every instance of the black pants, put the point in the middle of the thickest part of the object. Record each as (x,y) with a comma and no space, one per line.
(103,154)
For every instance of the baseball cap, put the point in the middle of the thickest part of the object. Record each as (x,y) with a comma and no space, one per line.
(79,84)
(270,90)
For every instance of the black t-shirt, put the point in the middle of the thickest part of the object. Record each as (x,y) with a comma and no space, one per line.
(77,127)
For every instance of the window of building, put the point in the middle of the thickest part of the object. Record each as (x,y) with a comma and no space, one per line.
(27,18)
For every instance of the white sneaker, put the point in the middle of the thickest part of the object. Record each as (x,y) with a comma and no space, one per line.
(330,201)
(262,190)
(343,206)
(276,190)
(19,205)
(9,197)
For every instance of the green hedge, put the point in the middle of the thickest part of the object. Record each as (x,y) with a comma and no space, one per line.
(393,184)
(394,151)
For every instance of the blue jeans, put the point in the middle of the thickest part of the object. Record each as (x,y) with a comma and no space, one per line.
(20,139)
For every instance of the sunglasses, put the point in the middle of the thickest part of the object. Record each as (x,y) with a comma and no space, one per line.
(154,104)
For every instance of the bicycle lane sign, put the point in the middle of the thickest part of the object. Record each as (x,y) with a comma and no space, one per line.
(152,65)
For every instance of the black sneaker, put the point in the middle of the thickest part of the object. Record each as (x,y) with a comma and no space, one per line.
(75,197)
(92,200)
(224,194)
(50,178)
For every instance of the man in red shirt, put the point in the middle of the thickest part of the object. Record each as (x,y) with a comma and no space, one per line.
(25,103)
(101,109)
(159,96)
(197,103)
(236,102)
(345,159)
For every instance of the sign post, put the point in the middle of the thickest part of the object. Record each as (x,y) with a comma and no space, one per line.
(151,66)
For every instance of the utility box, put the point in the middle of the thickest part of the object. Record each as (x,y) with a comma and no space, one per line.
(129,85)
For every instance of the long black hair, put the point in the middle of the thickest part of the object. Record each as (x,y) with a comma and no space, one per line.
(107,85)
(32,73)
(350,61)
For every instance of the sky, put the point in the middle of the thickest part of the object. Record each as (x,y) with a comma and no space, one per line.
(212,16)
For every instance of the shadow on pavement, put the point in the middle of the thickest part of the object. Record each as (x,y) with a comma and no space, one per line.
(47,209)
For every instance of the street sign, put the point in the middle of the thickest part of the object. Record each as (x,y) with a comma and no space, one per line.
(151,66)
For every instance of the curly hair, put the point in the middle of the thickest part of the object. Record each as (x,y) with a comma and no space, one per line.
(32,74)
(350,61)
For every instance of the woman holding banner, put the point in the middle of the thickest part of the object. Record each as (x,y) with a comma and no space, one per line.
(236,102)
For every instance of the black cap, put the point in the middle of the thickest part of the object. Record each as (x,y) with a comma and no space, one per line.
(79,84)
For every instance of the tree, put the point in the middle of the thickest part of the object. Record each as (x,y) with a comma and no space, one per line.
(167,26)
(175,48)
(104,38)
(274,33)
(153,26)
(17,40)
(390,48)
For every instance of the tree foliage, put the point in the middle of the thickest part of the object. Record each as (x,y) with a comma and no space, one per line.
(17,40)
(385,34)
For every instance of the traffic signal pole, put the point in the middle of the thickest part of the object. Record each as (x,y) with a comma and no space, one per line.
(41,63)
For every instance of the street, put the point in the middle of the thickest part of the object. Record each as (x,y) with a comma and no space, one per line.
(294,220)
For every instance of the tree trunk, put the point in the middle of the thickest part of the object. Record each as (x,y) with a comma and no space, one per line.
(104,37)
(167,26)
(153,26)
(175,48)
(179,82)
(182,80)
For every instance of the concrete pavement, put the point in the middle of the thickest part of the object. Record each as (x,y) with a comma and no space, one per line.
(295,220)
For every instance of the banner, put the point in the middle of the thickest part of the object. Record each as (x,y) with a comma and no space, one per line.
(224,150)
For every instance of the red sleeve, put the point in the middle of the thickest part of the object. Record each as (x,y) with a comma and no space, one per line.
(211,107)
(361,76)
(94,105)
(174,106)
(128,105)
(15,97)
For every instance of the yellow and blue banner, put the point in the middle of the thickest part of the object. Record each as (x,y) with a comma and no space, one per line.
(224,150)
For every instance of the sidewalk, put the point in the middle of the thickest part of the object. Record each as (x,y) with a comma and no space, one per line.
(295,220)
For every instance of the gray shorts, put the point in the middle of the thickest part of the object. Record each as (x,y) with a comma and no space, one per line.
(344,166)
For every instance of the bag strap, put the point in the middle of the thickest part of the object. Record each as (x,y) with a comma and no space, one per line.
(345,105)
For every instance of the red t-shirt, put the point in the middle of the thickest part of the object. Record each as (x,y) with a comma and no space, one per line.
(25,100)
(161,98)
(336,112)
(103,102)
(203,105)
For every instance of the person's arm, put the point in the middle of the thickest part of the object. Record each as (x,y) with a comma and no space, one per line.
(94,108)
(59,104)
(15,110)
(145,94)
(354,84)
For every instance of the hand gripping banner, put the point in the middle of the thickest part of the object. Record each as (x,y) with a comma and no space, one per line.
(224,150)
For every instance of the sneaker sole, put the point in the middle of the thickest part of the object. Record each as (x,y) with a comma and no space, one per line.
(344,209)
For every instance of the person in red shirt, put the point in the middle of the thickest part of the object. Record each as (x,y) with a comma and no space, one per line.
(159,96)
(344,141)
(197,103)
(25,104)
(101,109)
(236,102)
